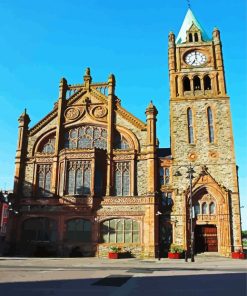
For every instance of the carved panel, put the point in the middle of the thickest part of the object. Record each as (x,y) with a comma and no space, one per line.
(128,200)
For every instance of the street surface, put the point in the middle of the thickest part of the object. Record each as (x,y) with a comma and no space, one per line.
(209,275)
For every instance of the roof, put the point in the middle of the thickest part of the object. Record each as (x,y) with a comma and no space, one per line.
(189,20)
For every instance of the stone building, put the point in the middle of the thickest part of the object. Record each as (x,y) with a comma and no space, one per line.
(90,174)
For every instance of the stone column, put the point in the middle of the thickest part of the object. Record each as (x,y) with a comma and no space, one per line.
(59,140)
(110,134)
(21,151)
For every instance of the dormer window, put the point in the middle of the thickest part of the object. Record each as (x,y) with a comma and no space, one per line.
(190,37)
(196,37)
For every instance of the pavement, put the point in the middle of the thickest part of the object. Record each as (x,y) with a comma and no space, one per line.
(208,275)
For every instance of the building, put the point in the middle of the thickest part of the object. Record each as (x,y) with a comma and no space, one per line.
(90,174)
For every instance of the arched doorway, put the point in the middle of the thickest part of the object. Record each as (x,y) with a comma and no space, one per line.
(206,238)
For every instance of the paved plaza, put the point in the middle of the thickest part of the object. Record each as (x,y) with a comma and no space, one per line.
(214,276)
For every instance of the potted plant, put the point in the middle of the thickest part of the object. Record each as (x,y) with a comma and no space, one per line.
(238,254)
(175,252)
(114,252)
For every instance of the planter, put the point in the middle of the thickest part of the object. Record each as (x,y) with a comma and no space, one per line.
(174,255)
(112,255)
(238,255)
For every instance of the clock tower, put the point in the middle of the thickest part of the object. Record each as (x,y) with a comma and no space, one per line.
(201,136)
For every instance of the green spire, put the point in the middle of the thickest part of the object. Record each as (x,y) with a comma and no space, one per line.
(189,20)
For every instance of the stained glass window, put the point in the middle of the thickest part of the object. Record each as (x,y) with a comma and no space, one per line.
(121,142)
(79,230)
(120,231)
(190,126)
(78,177)
(44,180)
(210,125)
(48,146)
(86,137)
(122,178)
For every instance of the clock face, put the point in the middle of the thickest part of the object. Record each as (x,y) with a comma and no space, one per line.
(195,58)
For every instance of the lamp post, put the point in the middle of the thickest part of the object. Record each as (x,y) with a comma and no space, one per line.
(190,172)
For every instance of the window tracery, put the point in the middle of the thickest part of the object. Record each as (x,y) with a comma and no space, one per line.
(78,230)
(44,180)
(120,231)
(78,177)
(121,142)
(48,146)
(122,178)
(86,137)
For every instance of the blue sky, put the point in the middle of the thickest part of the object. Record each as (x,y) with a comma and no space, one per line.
(42,41)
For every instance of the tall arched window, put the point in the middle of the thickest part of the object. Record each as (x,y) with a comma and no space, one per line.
(39,229)
(207,82)
(197,83)
(212,208)
(186,84)
(196,37)
(78,230)
(44,180)
(210,125)
(122,178)
(120,231)
(78,177)
(204,208)
(190,37)
(190,126)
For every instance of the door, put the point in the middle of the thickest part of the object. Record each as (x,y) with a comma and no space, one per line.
(206,238)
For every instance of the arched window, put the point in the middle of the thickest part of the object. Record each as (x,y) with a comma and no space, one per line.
(78,230)
(210,125)
(86,137)
(167,176)
(122,178)
(204,208)
(78,177)
(190,126)
(39,229)
(197,83)
(212,208)
(197,208)
(190,37)
(121,142)
(44,180)
(196,37)
(120,231)
(186,84)
(207,82)
(48,146)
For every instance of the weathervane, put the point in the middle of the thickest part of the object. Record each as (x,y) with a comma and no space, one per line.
(188,1)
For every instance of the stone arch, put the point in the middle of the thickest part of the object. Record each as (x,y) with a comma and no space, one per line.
(41,139)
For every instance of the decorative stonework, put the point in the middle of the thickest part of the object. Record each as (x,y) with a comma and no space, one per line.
(72,113)
(99,111)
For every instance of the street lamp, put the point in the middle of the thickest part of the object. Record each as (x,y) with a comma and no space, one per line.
(190,172)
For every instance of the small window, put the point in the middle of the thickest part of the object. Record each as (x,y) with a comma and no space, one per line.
(162,176)
(196,37)
(166,199)
(210,125)
(197,83)
(207,82)
(204,208)
(190,37)
(186,84)
(197,209)
(167,176)
(190,126)
(212,208)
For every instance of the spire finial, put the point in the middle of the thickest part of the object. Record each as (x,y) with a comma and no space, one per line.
(188,1)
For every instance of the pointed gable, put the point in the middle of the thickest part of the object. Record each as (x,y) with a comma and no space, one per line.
(189,21)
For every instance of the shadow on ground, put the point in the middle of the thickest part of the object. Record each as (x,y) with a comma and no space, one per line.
(134,285)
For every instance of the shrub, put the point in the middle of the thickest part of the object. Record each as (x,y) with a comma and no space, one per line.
(176,249)
(115,249)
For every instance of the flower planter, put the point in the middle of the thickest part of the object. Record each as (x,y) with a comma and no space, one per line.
(112,255)
(238,255)
(174,255)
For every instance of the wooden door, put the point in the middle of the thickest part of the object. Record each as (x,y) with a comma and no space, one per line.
(206,238)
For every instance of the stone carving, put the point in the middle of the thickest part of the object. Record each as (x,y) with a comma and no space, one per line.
(99,111)
(72,113)
(127,200)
